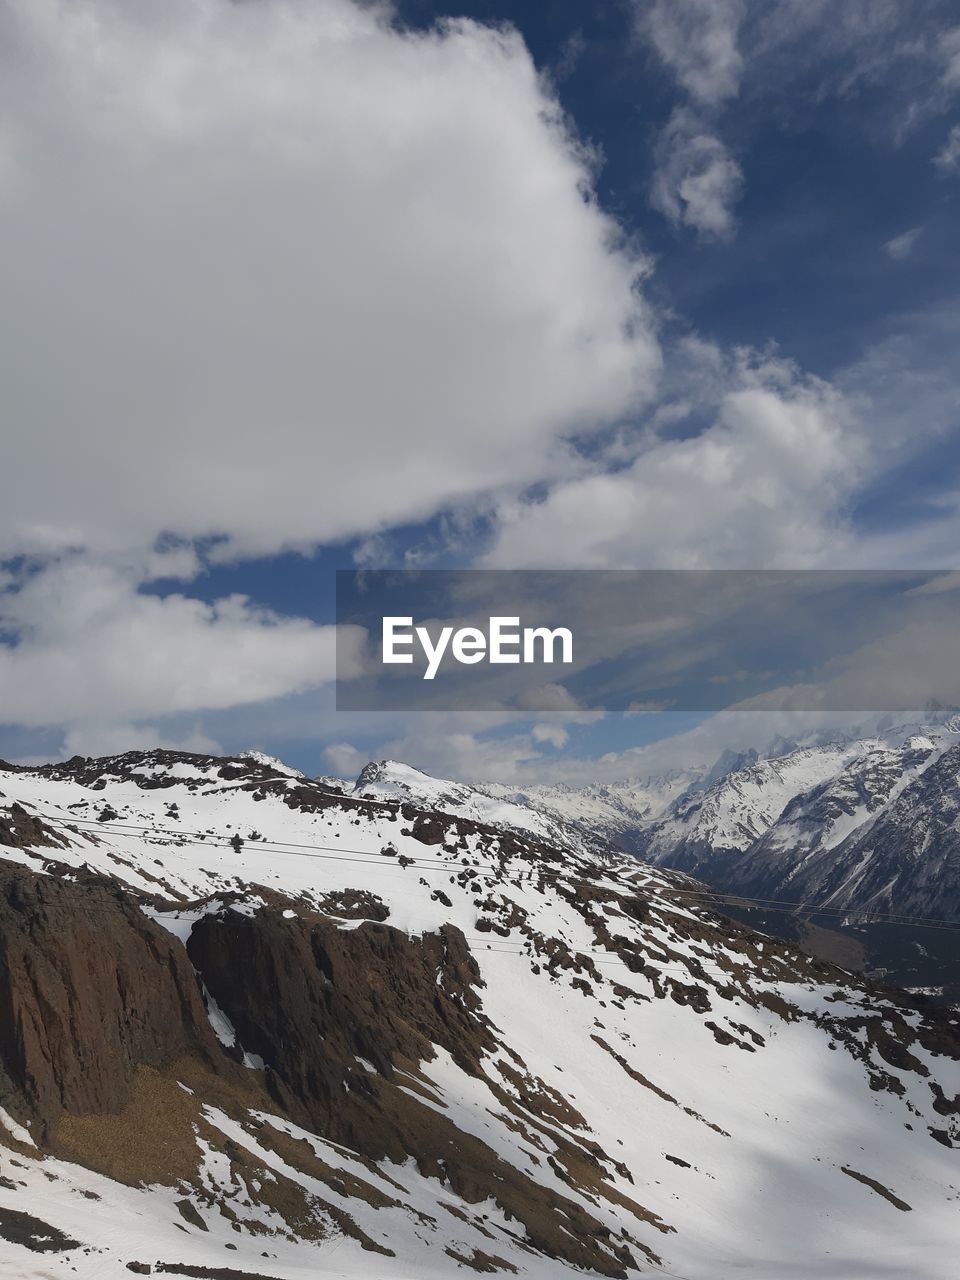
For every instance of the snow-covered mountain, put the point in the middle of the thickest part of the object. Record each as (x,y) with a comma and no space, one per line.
(839,830)
(864,823)
(730,815)
(870,825)
(607,815)
(392,780)
(254,1025)
(614,812)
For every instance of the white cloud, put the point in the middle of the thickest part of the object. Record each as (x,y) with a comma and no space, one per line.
(918,662)
(697,41)
(114,739)
(947,158)
(902,246)
(467,745)
(92,651)
(784,57)
(648,707)
(555,734)
(908,378)
(324,276)
(344,760)
(790,54)
(516,758)
(459,754)
(286,273)
(694,749)
(697,181)
(553,698)
(763,485)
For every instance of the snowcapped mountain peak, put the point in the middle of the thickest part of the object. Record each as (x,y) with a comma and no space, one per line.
(271,762)
(396,778)
(731,762)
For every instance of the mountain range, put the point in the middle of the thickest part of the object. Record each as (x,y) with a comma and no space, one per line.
(844,832)
(858,821)
(254,1024)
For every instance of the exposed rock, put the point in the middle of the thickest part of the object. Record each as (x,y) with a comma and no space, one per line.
(354,904)
(89,988)
(22,830)
(39,1237)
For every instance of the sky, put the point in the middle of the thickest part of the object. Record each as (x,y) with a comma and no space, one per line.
(292,286)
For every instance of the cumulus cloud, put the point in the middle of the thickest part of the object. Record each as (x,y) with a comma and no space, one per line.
(697,181)
(556,734)
(344,760)
(466,745)
(764,484)
(275,275)
(91,649)
(281,273)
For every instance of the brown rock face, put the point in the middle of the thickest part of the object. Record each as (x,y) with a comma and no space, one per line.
(89,988)
(311,999)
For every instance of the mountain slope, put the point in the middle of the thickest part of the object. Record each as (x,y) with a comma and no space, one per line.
(705,831)
(906,857)
(257,1026)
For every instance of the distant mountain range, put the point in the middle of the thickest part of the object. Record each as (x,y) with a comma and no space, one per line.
(848,832)
(864,824)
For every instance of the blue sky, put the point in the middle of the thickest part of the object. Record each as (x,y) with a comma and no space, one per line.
(622,285)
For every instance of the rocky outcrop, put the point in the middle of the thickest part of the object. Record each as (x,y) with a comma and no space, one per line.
(370,993)
(89,989)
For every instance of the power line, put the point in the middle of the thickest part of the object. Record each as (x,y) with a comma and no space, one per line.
(209,840)
(501,944)
(339,853)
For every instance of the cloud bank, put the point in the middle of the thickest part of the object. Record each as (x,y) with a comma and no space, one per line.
(279,274)
(94,650)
